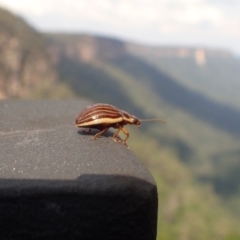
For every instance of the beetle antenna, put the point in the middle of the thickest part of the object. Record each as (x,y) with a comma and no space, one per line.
(153,120)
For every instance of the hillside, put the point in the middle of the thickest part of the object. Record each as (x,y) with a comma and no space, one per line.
(26,68)
(213,73)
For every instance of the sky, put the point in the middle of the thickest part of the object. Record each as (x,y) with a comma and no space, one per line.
(204,23)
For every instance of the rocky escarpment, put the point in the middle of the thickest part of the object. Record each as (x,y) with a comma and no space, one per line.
(24,61)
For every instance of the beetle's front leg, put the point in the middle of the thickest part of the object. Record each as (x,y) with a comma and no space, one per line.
(125,131)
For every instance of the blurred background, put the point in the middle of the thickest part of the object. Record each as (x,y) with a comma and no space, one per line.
(173,59)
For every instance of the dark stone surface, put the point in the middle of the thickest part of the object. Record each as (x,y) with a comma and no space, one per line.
(57,183)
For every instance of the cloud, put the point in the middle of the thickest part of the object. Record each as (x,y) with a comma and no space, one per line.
(206,22)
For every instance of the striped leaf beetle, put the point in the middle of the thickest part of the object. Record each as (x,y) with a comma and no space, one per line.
(104,116)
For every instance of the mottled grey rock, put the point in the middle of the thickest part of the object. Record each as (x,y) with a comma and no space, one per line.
(58,183)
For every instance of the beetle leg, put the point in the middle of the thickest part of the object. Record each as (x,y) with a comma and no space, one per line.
(100,133)
(115,136)
(125,131)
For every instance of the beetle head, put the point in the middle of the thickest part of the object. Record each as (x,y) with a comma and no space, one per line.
(130,119)
(135,121)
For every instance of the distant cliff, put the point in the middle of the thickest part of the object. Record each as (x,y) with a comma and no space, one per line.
(24,61)
(84,48)
(87,48)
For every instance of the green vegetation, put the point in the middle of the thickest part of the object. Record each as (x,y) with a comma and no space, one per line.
(187,210)
(51,91)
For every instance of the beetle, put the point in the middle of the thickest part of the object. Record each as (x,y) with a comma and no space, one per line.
(103,116)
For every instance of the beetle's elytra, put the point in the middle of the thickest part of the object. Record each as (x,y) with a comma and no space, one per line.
(103,116)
